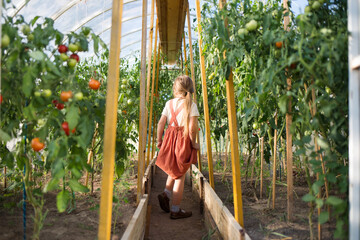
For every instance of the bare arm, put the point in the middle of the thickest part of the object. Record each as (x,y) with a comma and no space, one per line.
(160,129)
(193,130)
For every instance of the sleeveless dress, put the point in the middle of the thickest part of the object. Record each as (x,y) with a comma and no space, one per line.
(176,153)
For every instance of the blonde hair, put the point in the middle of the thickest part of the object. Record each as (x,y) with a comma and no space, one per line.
(183,86)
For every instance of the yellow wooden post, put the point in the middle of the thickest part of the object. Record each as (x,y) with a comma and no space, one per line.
(274,164)
(289,154)
(150,51)
(185,60)
(152,95)
(193,77)
(142,110)
(205,99)
(157,100)
(110,124)
(234,140)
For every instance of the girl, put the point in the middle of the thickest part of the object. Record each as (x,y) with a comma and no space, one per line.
(179,148)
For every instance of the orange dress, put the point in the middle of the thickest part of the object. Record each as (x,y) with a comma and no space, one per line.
(176,153)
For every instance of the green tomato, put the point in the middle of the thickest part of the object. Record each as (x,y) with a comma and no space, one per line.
(37,93)
(124,81)
(316,5)
(25,29)
(85,30)
(252,25)
(72,63)
(307,9)
(80,49)
(5,41)
(64,57)
(46,93)
(30,37)
(123,86)
(328,90)
(275,13)
(321,1)
(73,47)
(129,102)
(255,125)
(79,96)
(243,32)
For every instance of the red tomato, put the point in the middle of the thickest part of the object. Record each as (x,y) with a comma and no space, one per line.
(60,106)
(36,144)
(94,84)
(278,44)
(65,96)
(1,99)
(55,102)
(65,127)
(75,56)
(62,49)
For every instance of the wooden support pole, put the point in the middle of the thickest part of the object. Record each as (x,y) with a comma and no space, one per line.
(205,99)
(185,59)
(193,78)
(5,183)
(274,164)
(152,96)
(289,154)
(234,140)
(107,183)
(261,164)
(150,51)
(142,110)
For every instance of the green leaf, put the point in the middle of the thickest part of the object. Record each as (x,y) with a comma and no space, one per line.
(308,198)
(37,55)
(29,112)
(62,200)
(4,137)
(323,217)
(322,143)
(319,202)
(119,169)
(77,187)
(28,82)
(72,116)
(332,200)
(51,185)
(283,104)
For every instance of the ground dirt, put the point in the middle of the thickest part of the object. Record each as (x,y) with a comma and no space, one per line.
(261,222)
(164,228)
(80,223)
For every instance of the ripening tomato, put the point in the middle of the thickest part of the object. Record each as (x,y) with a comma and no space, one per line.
(75,56)
(1,99)
(94,84)
(62,48)
(279,44)
(37,145)
(65,95)
(60,106)
(73,47)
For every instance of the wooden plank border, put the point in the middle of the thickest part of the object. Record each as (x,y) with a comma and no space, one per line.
(225,222)
(136,227)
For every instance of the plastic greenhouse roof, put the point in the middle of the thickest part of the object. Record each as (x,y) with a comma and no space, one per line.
(71,15)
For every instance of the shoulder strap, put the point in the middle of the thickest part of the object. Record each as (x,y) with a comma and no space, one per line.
(174,114)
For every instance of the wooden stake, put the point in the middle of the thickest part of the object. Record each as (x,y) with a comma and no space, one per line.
(193,78)
(152,96)
(5,183)
(110,124)
(274,164)
(150,50)
(186,70)
(142,110)
(261,164)
(235,157)
(205,99)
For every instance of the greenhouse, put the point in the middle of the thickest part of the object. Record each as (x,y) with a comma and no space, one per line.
(177,119)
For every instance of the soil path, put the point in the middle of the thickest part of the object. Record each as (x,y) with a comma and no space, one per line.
(164,228)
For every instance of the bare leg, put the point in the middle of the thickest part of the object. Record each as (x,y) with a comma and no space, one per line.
(178,190)
(170,183)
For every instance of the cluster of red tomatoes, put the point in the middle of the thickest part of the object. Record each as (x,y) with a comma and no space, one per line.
(73,59)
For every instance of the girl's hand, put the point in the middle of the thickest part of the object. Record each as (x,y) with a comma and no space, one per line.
(159,145)
(196,146)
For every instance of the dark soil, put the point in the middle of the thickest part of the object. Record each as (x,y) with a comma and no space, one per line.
(80,223)
(262,222)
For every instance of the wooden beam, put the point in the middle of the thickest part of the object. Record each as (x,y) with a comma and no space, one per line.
(142,110)
(205,99)
(185,59)
(261,165)
(234,140)
(225,222)
(152,95)
(107,183)
(193,78)
(136,227)
(150,51)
